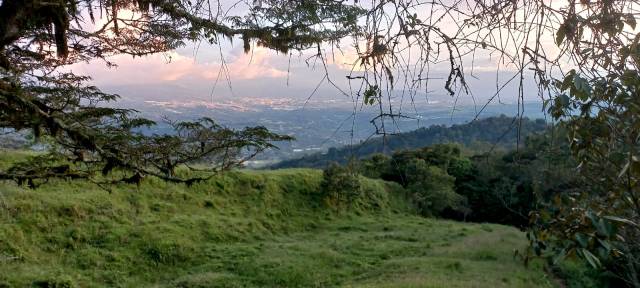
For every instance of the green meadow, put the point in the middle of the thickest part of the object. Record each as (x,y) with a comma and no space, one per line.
(245,229)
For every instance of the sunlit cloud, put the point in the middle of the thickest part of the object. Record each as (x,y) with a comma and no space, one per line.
(173,67)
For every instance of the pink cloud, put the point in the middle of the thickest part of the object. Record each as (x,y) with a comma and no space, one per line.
(172,66)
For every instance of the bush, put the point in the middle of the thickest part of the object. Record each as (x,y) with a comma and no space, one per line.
(375,166)
(429,174)
(340,186)
(432,189)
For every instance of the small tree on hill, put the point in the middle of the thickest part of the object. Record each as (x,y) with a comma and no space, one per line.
(340,186)
(432,188)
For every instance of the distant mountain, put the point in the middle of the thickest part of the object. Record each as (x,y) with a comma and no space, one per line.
(317,127)
(501,131)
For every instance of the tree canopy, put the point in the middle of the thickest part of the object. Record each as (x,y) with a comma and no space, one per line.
(396,43)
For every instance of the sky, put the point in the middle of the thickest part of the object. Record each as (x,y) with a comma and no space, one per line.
(194,73)
(190,74)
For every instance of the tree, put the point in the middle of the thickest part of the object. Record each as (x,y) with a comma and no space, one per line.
(39,38)
(598,102)
(599,224)
(340,186)
(425,174)
(432,188)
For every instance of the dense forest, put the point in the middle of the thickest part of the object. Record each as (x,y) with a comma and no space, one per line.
(483,134)
(455,181)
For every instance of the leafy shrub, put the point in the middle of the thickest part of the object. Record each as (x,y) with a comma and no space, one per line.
(375,166)
(340,185)
(429,175)
(432,189)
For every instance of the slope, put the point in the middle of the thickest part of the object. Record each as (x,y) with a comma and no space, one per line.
(244,229)
(501,131)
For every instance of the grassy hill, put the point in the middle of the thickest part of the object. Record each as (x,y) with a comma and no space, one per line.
(244,229)
(483,134)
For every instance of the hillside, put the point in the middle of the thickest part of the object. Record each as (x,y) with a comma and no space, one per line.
(244,229)
(501,131)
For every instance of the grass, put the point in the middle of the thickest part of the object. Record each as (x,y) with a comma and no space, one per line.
(400,251)
(244,229)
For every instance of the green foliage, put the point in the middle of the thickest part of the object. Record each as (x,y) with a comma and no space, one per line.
(343,188)
(432,188)
(375,166)
(499,187)
(425,173)
(597,224)
(371,94)
(39,97)
(125,149)
(505,187)
(340,186)
(576,274)
(502,132)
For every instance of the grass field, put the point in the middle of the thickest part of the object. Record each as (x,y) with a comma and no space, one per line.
(374,252)
(244,229)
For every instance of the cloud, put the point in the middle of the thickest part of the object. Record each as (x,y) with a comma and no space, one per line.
(174,67)
(259,63)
